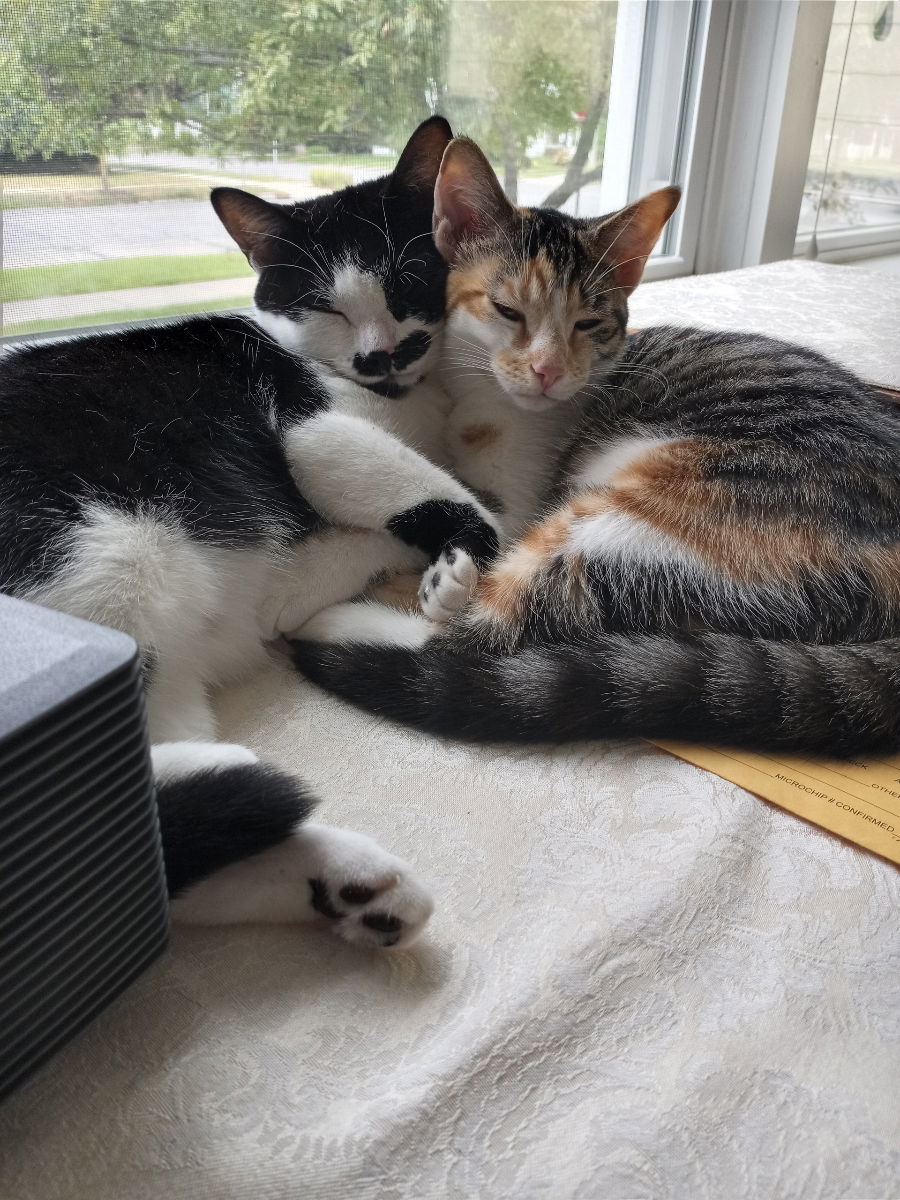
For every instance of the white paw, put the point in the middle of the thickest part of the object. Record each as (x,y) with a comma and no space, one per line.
(447,584)
(372,897)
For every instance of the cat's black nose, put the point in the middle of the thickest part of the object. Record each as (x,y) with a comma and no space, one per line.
(376,363)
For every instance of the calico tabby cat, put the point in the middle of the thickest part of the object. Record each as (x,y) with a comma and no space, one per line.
(722,560)
(170,481)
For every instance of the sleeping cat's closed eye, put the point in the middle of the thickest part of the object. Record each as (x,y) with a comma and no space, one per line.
(511,314)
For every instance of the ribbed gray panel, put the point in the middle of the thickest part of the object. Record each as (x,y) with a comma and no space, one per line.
(83,905)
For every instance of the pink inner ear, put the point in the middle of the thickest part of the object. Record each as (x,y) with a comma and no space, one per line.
(627,254)
(640,225)
(454,217)
(627,273)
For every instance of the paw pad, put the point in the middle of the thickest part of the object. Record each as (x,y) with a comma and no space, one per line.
(370,897)
(447,584)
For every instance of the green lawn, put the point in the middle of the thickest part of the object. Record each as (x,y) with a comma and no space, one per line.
(539,168)
(121,316)
(69,279)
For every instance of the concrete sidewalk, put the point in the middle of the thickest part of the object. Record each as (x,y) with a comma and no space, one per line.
(121,300)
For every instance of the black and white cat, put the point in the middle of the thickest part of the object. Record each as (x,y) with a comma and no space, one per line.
(178,482)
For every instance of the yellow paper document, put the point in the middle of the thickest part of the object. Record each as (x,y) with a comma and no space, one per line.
(860,800)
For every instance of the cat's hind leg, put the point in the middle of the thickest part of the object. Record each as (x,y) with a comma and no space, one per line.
(178,707)
(239,848)
(143,573)
(328,568)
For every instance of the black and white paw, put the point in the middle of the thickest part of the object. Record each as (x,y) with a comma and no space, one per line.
(371,897)
(447,584)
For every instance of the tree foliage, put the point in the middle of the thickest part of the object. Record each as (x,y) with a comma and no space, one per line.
(507,79)
(97,75)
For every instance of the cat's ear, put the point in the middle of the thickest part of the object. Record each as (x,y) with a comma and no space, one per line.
(625,238)
(468,199)
(421,158)
(259,228)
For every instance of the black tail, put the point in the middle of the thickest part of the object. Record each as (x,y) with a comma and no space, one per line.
(214,817)
(837,701)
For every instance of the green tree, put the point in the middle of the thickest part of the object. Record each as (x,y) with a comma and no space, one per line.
(93,74)
(97,74)
(591,33)
(520,68)
(366,67)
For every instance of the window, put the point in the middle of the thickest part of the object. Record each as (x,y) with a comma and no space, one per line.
(122,115)
(851,198)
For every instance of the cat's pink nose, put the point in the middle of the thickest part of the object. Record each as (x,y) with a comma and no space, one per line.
(547,374)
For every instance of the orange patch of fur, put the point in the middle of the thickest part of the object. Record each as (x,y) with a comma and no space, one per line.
(667,488)
(503,593)
(400,591)
(480,436)
(466,287)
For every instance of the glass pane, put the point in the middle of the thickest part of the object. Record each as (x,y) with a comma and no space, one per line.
(119,116)
(853,179)
(529,80)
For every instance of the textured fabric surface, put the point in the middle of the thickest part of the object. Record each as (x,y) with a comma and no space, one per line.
(850,313)
(640,981)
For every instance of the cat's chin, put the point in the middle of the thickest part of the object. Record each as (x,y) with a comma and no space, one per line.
(533,403)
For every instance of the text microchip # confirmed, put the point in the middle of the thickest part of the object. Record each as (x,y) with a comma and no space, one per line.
(859,800)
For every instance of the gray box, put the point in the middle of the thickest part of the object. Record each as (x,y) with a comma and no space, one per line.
(83,905)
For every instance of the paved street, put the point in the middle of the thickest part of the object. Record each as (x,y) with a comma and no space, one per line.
(257,168)
(45,236)
(42,236)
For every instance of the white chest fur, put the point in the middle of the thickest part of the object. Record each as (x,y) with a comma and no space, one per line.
(599,465)
(498,448)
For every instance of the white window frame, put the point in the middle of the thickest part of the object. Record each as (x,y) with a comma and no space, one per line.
(746,115)
(850,244)
(647,104)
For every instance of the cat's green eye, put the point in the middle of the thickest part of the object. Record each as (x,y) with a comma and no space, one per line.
(504,310)
(587,324)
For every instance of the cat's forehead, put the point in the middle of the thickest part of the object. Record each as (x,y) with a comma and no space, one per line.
(540,282)
(357,290)
(555,237)
(363,225)
(539,248)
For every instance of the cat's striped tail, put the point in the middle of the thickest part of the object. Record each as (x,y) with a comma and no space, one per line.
(837,701)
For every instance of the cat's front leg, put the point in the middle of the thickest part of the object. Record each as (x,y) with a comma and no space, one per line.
(356,473)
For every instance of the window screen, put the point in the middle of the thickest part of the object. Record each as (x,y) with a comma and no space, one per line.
(120,115)
(853,179)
